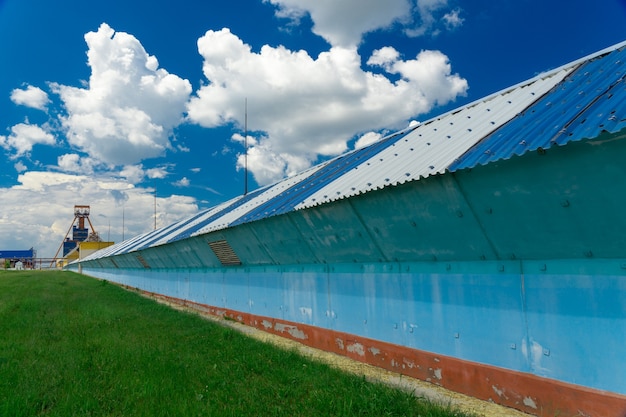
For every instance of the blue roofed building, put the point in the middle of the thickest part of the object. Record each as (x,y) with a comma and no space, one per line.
(9,258)
(483,250)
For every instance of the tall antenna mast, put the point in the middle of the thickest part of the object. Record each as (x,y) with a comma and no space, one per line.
(155,198)
(245,155)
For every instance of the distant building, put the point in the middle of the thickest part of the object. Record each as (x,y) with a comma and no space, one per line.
(9,258)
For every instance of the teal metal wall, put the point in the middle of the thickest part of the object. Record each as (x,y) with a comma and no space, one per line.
(518,264)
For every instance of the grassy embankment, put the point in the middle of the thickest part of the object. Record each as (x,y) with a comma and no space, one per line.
(75,346)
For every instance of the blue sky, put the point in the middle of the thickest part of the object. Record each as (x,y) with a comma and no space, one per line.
(102,103)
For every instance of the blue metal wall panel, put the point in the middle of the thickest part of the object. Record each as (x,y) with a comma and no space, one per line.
(577,329)
(266,292)
(562,319)
(442,312)
(305,297)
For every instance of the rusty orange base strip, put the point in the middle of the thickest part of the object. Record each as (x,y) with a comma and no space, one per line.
(525,392)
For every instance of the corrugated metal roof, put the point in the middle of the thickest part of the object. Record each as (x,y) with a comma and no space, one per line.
(578,100)
(432,146)
(582,106)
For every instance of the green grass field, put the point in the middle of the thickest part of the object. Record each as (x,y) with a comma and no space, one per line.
(75,346)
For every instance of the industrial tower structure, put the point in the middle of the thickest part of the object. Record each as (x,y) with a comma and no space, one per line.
(80,233)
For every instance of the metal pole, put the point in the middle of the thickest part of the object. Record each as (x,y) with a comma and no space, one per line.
(245,157)
(155,198)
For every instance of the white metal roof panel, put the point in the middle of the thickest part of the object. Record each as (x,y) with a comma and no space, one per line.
(432,146)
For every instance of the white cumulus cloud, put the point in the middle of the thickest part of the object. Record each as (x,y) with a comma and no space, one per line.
(343,23)
(30,96)
(330,17)
(23,137)
(308,106)
(430,14)
(130,106)
(71,162)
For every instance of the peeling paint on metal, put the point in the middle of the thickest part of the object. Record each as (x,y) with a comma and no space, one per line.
(292,330)
(529,402)
(339,343)
(499,392)
(307,311)
(409,363)
(374,351)
(356,348)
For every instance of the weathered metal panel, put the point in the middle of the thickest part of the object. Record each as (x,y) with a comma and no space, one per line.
(429,222)
(577,327)
(567,203)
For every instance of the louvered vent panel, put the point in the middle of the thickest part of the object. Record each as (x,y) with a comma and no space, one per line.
(143,261)
(225,253)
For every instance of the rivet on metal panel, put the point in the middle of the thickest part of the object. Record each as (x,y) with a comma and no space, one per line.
(457,335)
(546,352)
(513,346)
